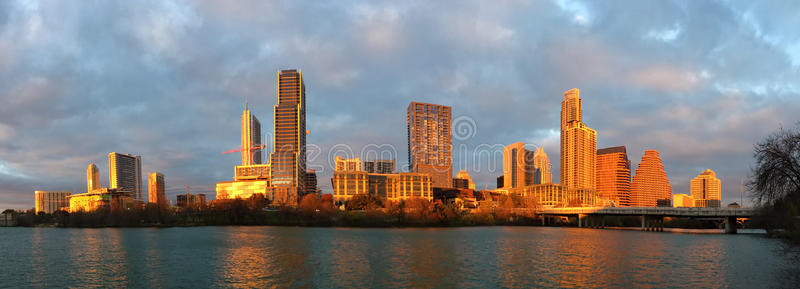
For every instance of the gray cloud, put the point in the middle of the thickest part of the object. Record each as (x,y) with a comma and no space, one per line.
(700,81)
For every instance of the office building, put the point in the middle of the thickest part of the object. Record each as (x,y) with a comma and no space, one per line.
(50,202)
(614,176)
(125,173)
(191,201)
(101,199)
(552,195)
(462,174)
(518,167)
(706,189)
(155,189)
(682,201)
(542,163)
(459,183)
(251,139)
(578,145)
(92,178)
(501,180)
(391,187)
(650,186)
(430,142)
(342,164)
(379,166)
(288,161)
(311,182)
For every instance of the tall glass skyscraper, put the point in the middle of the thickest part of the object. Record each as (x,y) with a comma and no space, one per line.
(288,161)
(430,148)
(125,173)
(578,145)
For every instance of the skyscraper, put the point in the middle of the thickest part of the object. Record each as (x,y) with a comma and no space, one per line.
(430,142)
(251,136)
(542,163)
(311,182)
(518,166)
(155,189)
(578,145)
(706,189)
(92,178)
(288,162)
(614,175)
(650,186)
(125,173)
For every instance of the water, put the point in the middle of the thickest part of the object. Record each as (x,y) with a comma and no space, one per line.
(476,257)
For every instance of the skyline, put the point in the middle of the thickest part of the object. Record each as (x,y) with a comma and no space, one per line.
(56,125)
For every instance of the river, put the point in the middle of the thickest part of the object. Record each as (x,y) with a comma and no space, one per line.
(471,257)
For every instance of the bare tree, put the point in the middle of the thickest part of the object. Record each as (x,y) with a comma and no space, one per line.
(776,175)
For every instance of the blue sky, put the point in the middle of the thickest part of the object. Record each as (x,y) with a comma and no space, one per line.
(700,81)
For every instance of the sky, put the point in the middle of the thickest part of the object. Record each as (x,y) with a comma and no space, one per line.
(699,81)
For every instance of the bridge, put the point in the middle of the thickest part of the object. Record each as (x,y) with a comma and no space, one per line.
(652,218)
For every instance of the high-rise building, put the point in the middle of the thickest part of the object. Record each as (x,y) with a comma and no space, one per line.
(311,182)
(682,201)
(288,161)
(462,174)
(706,189)
(343,164)
(650,186)
(125,173)
(251,139)
(578,145)
(92,178)
(50,202)
(614,175)
(430,142)
(501,180)
(379,166)
(542,163)
(518,167)
(155,189)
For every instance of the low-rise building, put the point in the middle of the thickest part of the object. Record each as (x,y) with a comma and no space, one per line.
(558,196)
(50,202)
(682,201)
(393,187)
(101,199)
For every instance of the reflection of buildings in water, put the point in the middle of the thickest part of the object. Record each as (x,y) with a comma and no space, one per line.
(38,257)
(86,255)
(154,256)
(416,259)
(349,263)
(711,256)
(114,258)
(247,261)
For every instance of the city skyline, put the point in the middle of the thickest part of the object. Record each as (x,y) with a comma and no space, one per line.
(700,110)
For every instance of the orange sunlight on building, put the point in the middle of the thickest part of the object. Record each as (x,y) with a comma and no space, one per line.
(650,186)
(614,175)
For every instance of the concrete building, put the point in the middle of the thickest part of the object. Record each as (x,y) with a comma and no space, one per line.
(430,142)
(682,201)
(392,187)
(343,164)
(251,139)
(614,175)
(650,186)
(288,161)
(125,173)
(706,189)
(459,183)
(379,166)
(578,145)
(462,174)
(518,167)
(542,163)
(92,178)
(50,202)
(101,199)
(557,196)
(155,189)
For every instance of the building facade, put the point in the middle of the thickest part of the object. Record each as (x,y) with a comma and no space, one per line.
(101,199)
(92,178)
(542,163)
(251,139)
(155,189)
(557,196)
(578,145)
(125,173)
(343,164)
(706,189)
(518,167)
(614,175)
(462,174)
(650,186)
(379,166)
(682,201)
(391,187)
(430,142)
(288,161)
(50,202)
(311,182)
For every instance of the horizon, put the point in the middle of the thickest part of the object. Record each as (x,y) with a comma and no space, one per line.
(700,82)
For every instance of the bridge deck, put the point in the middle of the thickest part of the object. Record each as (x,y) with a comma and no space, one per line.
(657,211)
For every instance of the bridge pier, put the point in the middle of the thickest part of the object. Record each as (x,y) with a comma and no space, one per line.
(730,225)
(580,217)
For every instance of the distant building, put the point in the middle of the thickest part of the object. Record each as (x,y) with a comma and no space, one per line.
(614,175)
(706,189)
(392,187)
(125,173)
(92,178)
(155,189)
(343,164)
(430,142)
(50,202)
(247,181)
(101,199)
(518,167)
(379,166)
(288,161)
(682,201)
(650,186)
(578,145)
(251,138)
(542,163)
(557,196)
(311,182)
(500,181)
(191,200)
(462,174)
(459,183)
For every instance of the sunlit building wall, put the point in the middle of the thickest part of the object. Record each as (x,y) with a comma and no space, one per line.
(103,198)
(155,189)
(430,142)
(706,189)
(251,136)
(50,202)
(92,178)
(343,164)
(578,145)
(243,189)
(558,196)
(379,166)
(682,201)
(614,175)
(518,166)
(650,186)
(348,183)
(542,163)
(393,187)
(462,174)
(125,173)
(289,158)
(410,185)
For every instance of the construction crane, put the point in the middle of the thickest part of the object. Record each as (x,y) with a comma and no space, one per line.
(251,149)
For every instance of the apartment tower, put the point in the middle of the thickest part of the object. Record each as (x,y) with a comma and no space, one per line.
(650,186)
(155,189)
(288,161)
(614,175)
(92,178)
(430,142)
(578,145)
(251,138)
(125,173)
